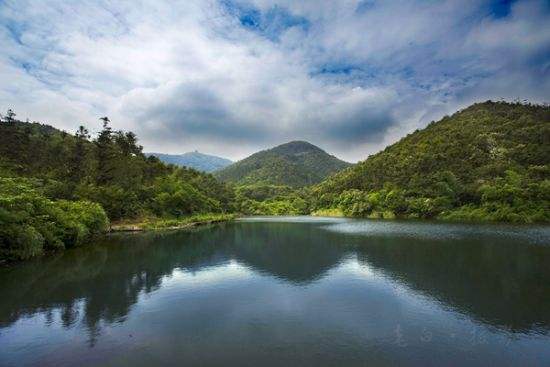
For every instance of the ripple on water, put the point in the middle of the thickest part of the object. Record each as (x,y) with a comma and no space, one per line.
(442,231)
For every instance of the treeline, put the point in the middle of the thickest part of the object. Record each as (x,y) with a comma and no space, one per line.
(488,162)
(58,189)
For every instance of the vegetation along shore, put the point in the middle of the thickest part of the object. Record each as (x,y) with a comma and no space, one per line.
(150,224)
(488,162)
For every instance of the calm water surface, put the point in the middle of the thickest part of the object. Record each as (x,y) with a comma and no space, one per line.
(286,291)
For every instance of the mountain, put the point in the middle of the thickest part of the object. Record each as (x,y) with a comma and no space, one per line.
(296,164)
(490,161)
(196,160)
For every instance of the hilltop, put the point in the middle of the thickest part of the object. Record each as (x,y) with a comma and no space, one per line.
(295,164)
(199,161)
(490,161)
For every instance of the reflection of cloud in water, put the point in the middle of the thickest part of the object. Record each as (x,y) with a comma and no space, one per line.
(356,272)
(442,231)
(227,272)
(351,265)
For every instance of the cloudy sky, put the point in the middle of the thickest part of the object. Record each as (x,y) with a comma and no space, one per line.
(230,77)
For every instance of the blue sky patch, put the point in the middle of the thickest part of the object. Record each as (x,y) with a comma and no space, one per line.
(500,8)
(270,24)
(15,31)
(364,6)
(261,73)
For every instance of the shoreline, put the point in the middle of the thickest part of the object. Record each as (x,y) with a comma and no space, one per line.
(148,225)
(168,225)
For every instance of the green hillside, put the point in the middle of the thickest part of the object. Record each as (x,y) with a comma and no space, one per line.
(490,161)
(294,164)
(57,190)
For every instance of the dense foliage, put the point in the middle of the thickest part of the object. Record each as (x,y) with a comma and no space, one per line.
(31,223)
(487,162)
(57,190)
(295,164)
(265,199)
(62,178)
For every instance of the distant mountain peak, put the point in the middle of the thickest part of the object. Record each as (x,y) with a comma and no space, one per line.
(195,159)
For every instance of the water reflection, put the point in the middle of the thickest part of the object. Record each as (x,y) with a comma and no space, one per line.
(497,279)
(107,277)
(501,282)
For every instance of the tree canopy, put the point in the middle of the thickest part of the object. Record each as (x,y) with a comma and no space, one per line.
(65,179)
(490,161)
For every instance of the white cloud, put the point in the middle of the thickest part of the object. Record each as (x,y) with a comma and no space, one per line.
(351,76)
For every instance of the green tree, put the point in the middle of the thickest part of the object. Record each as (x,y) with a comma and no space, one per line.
(106,153)
(10,116)
(77,165)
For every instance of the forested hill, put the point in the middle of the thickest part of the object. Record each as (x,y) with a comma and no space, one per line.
(295,164)
(199,161)
(58,189)
(488,161)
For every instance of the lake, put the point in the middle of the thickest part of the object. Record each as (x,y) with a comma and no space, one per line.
(286,292)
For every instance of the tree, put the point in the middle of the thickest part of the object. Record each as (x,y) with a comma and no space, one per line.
(106,122)
(127,142)
(77,164)
(105,153)
(10,116)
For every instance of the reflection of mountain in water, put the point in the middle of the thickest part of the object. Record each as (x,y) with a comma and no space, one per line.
(108,278)
(502,284)
(298,253)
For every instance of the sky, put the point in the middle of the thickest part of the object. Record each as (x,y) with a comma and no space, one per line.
(230,77)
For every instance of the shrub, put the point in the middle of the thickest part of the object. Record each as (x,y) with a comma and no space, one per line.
(31,224)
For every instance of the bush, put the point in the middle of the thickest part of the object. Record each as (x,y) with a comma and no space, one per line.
(116,201)
(31,224)
(79,221)
(354,203)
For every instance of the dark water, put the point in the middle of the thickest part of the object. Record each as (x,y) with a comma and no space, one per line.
(287,292)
